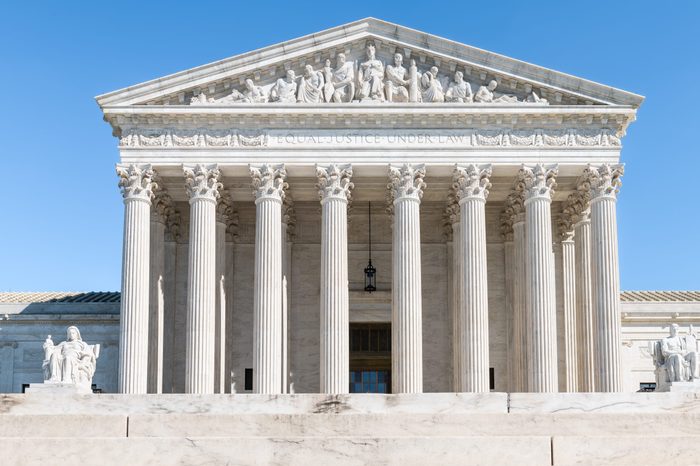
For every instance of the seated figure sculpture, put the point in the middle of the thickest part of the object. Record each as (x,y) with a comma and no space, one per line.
(675,358)
(70,362)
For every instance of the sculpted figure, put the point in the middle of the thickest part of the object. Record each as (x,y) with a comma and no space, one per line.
(201,99)
(431,87)
(681,363)
(371,77)
(396,83)
(310,86)
(533,98)
(486,95)
(343,80)
(72,361)
(459,90)
(253,94)
(285,90)
(328,87)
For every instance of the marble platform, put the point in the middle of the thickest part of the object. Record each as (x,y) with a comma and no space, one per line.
(436,428)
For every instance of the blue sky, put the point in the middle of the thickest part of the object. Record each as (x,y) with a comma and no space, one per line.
(61,210)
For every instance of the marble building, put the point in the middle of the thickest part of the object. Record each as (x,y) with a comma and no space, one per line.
(247,188)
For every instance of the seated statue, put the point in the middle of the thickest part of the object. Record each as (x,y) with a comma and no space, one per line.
(310,86)
(285,90)
(675,358)
(343,80)
(459,90)
(72,361)
(396,83)
(370,77)
(431,87)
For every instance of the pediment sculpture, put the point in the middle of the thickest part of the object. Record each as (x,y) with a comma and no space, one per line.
(70,362)
(368,79)
(675,358)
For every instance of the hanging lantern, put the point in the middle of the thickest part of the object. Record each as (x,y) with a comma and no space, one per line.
(370,271)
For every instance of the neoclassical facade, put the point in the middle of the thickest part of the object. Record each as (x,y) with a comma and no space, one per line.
(250,185)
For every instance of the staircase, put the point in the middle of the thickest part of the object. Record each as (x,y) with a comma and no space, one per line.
(437,428)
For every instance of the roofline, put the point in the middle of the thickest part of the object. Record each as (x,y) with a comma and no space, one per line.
(396,33)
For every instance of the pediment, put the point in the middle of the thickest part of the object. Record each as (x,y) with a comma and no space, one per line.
(264,77)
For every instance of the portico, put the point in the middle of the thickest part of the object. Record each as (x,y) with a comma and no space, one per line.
(481,230)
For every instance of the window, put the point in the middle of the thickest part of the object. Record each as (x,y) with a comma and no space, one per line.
(492,379)
(370,381)
(248,379)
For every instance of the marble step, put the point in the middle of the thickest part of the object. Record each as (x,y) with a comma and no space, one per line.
(350,425)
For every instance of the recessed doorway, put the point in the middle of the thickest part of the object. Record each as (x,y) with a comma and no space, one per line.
(370,357)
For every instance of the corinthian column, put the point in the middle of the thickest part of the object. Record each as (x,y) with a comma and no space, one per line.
(541,293)
(472,185)
(406,189)
(202,185)
(605,184)
(568,265)
(268,185)
(452,227)
(136,185)
(585,318)
(334,189)
(513,227)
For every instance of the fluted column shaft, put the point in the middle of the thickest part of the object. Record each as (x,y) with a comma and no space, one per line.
(135,183)
(520,314)
(268,183)
(569,302)
(406,300)
(585,319)
(542,328)
(203,189)
(605,183)
(157,305)
(472,184)
(334,187)
(220,307)
(456,308)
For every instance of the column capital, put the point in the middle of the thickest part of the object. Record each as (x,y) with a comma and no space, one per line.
(406,181)
(471,181)
(539,181)
(334,181)
(451,214)
(605,180)
(224,206)
(289,216)
(514,211)
(136,181)
(269,181)
(202,182)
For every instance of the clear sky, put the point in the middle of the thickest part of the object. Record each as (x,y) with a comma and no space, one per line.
(61,226)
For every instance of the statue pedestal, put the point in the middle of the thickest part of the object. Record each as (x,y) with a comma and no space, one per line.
(692,386)
(58,388)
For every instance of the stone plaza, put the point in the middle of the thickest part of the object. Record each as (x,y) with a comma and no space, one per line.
(369,244)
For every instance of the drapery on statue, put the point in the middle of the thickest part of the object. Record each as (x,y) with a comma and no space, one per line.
(72,361)
(675,358)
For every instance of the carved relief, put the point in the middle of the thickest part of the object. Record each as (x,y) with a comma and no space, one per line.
(202,181)
(136,181)
(539,180)
(471,181)
(269,181)
(334,181)
(406,181)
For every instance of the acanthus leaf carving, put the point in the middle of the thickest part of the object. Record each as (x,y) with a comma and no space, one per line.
(406,181)
(605,180)
(539,181)
(269,181)
(136,181)
(202,181)
(334,181)
(471,181)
